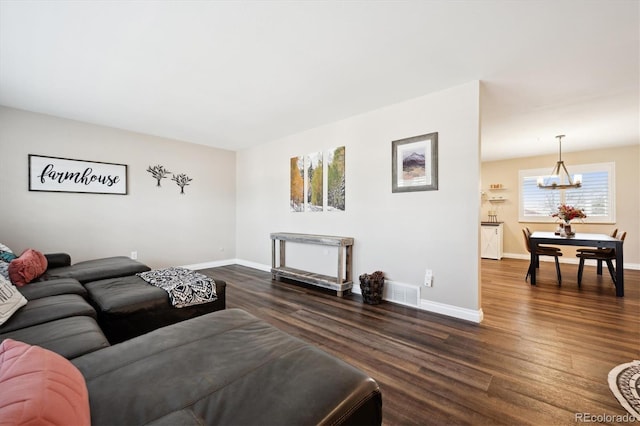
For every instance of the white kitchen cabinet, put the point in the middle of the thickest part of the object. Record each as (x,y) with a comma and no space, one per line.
(491,240)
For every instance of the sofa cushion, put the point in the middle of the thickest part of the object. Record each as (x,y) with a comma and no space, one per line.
(46,389)
(40,289)
(98,269)
(129,306)
(125,295)
(57,260)
(10,300)
(228,368)
(26,268)
(39,311)
(70,337)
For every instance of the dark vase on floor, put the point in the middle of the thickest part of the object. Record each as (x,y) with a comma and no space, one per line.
(371,287)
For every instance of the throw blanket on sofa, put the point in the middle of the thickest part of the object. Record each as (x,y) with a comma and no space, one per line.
(185,287)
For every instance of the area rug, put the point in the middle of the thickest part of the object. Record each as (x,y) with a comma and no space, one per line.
(624,381)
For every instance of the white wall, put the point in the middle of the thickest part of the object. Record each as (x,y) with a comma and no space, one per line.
(166,228)
(398,233)
(237,199)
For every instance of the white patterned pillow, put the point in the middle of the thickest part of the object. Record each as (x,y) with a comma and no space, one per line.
(5,248)
(4,270)
(10,300)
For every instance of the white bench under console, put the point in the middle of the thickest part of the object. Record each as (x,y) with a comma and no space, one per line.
(343,281)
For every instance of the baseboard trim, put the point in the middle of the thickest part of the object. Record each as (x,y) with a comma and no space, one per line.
(430,306)
(213,264)
(388,293)
(452,311)
(254,265)
(568,260)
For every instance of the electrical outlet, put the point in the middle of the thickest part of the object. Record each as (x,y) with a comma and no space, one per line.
(428,278)
(134,255)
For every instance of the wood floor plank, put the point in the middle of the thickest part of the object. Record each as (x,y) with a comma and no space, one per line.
(541,355)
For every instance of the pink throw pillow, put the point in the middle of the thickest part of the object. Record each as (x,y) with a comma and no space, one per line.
(26,268)
(40,387)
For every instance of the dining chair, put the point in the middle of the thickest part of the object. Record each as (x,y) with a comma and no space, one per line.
(600,255)
(596,251)
(542,251)
(528,232)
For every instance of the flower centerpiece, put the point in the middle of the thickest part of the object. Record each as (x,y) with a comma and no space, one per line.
(566,214)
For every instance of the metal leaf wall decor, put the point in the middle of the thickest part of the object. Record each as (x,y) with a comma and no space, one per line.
(158,172)
(181,180)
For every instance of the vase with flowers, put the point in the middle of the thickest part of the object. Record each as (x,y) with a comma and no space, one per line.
(566,214)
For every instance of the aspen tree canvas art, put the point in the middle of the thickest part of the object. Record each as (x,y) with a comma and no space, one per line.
(314,182)
(297,184)
(336,179)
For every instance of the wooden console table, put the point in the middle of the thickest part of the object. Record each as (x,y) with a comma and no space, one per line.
(337,283)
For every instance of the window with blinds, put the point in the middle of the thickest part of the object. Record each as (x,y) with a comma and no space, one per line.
(595,197)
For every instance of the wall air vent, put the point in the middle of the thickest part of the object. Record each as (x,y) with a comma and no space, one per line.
(403,294)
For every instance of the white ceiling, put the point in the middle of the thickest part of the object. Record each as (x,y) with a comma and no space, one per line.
(233,74)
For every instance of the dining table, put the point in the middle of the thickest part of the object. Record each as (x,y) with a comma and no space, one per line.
(583,240)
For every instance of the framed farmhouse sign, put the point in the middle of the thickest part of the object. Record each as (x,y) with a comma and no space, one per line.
(53,174)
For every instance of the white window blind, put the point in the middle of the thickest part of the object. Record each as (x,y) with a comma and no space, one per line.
(595,197)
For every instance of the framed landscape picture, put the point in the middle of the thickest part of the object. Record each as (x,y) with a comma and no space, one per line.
(414,164)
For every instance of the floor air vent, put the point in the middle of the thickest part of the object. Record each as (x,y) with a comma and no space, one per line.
(402,293)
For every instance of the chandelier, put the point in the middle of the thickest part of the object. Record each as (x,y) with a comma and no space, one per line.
(559,174)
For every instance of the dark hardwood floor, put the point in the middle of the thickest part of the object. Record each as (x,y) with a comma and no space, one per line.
(541,355)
